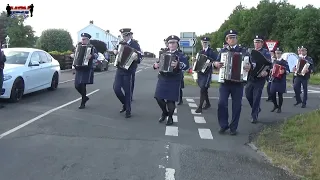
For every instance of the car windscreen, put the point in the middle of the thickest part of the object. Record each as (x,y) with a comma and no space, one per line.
(15,57)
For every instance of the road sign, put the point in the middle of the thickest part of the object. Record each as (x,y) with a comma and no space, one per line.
(271,44)
(189,42)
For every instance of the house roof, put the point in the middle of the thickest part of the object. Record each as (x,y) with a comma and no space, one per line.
(97,28)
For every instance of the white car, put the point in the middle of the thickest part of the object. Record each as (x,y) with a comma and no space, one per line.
(28,70)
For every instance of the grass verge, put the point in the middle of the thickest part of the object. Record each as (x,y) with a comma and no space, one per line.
(295,144)
(314,79)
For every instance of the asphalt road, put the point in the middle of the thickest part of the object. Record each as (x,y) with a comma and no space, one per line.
(46,136)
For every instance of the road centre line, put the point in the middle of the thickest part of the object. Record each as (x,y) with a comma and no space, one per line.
(43,115)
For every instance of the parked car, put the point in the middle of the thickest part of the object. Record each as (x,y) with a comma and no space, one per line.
(28,70)
(101,63)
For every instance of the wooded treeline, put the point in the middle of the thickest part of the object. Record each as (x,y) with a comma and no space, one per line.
(281,21)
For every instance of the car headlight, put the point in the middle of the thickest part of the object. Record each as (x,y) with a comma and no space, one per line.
(6,77)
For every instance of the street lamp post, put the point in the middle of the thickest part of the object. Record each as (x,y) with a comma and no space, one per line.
(7,41)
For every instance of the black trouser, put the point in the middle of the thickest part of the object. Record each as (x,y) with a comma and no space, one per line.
(274,99)
(181,95)
(82,89)
(204,97)
(167,107)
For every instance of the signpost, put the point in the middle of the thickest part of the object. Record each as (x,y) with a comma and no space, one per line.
(188,41)
(271,44)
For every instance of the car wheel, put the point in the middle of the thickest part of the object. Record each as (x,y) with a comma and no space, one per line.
(101,68)
(17,90)
(54,82)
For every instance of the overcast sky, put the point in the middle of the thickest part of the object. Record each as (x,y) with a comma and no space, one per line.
(165,17)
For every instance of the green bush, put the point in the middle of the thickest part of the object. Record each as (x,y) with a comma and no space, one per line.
(60,53)
(55,40)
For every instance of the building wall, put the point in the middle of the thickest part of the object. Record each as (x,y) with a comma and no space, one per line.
(98,34)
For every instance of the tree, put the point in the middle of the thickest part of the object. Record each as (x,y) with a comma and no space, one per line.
(55,40)
(281,21)
(20,35)
(99,45)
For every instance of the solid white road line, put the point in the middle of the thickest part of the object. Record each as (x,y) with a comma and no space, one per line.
(42,115)
(193,111)
(170,174)
(230,97)
(199,119)
(175,118)
(193,105)
(205,133)
(172,131)
(190,100)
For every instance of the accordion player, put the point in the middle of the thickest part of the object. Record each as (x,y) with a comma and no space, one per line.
(302,67)
(165,62)
(202,63)
(233,68)
(125,57)
(81,56)
(261,63)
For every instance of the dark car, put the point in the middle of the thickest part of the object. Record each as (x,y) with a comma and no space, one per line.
(101,63)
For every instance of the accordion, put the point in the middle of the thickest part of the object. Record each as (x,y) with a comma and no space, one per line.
(202,63)
(262,63)
(126,55)
(301,67)
(233,67)
(275,73)
(165,62)
(81,56)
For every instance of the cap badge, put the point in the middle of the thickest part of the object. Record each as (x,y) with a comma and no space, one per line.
(172,36)
(257,36)
(230,31)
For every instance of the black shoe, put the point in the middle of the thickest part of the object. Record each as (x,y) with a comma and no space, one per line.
(170,121)
(254,121)
(303,106)
(199,110)
(279,110)
(223,130)
(1,106)
(163,117)
(297,103)
(82,106)
(128,115)
(207,106)
(233,133)
(180,102)
(274,108)
(123,109)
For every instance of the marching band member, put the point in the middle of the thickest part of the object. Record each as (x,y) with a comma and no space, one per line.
(168,86)
(227,88)
(279,85)
(84,76)
(2,61)
(182,81)
(273,58)
(299,54)
(124,79)
(255,85)
(303,80)
(136,44)
(204,79)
